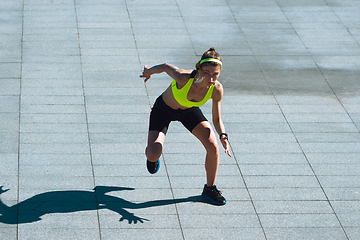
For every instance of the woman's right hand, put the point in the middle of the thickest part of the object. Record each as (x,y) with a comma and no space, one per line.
(146,74)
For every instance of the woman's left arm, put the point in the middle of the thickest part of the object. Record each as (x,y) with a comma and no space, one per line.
(216,117)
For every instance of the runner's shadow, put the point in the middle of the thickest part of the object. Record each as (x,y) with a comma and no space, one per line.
(32,209)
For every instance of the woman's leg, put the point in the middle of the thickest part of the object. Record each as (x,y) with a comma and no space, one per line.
(205,133)
(155,145)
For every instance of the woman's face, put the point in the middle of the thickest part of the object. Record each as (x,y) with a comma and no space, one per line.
(211,73)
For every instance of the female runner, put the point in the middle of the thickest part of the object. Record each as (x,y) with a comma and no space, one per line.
(180,102)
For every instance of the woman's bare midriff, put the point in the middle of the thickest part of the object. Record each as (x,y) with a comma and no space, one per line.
(169,99)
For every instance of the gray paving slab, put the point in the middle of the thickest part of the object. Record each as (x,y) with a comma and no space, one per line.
(46,232)
(9,122)
(308,233)
(9,142)
(293,207)
(10,87)
(287,194)
(74,119)
(220,233)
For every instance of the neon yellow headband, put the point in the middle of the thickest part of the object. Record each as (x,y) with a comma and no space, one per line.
(211,60)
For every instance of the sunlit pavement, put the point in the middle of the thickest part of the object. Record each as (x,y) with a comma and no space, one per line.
(74,119)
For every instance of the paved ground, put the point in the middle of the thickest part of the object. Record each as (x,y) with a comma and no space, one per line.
(74,119)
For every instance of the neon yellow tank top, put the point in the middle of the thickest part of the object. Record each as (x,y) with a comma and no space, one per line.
(180,95)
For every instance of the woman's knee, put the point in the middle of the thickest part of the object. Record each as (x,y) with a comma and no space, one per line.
(212,148)
(153,151)
(155,145)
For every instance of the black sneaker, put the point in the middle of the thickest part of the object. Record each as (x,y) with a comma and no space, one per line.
(214,195)
(153,167)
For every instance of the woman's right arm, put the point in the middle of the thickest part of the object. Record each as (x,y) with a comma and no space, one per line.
(172,71)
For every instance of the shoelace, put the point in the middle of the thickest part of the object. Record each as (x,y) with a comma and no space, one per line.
(215,190)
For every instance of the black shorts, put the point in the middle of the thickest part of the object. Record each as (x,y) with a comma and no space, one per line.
(161,116)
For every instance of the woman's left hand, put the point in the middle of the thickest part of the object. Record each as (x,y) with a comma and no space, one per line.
(226,145)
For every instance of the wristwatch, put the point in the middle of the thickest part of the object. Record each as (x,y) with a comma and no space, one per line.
(225,134)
